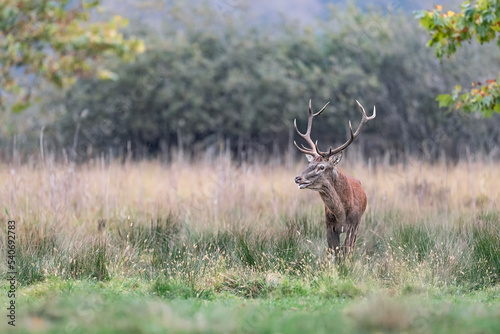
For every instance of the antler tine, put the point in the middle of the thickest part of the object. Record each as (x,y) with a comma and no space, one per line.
(307,135)
(323,154)
(353,136)
(297,129)
(332,151)
(347,143)
(365,118)
(364,112)
(322,109)
(309,124)
(303,150)
(313,146)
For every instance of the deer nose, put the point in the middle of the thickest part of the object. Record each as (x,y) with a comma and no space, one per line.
(298,179)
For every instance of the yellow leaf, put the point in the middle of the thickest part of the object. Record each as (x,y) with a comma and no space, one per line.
(140,47)
(107,75)
(112,33)
(450,13)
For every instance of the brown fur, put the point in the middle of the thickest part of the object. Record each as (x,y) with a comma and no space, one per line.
(345,203)
(344,198)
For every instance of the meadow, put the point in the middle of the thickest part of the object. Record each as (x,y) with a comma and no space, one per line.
(212,246)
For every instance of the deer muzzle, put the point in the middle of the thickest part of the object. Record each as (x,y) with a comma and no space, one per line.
(301,182)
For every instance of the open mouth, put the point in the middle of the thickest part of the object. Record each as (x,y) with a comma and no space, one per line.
(304,185)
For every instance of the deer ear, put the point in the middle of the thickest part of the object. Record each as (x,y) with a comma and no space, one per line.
(336,158)
(309,157)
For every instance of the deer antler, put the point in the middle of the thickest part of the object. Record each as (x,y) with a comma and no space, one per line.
(314,150)
(307,136)
(353,136)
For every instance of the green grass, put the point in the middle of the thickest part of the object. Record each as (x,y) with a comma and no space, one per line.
(139,278)
(293,305)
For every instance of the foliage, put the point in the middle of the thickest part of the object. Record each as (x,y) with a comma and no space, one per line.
(448,31)
(208,84)
(54,41)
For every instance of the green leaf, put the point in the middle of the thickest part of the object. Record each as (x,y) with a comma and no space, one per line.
(455,92)
(487,100)
(20,107)
(419,14)
(496,108)
(6,211)
(445,100)
(487,112)
(63,46)
(438,20)
(427,22)
(489,18)
(469,13)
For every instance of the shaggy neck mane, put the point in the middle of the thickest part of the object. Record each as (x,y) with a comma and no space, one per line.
(336,193)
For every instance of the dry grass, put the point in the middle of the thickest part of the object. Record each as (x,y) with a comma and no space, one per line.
(223,195)
(204,220)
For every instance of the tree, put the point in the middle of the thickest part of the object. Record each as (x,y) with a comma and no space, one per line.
(208,85)
(448,32)
(54,41)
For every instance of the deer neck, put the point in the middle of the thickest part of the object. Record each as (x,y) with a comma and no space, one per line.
(334,191)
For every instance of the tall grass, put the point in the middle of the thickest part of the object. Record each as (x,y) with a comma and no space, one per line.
(198,229)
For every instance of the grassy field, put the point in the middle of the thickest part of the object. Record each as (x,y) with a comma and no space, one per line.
(147,248)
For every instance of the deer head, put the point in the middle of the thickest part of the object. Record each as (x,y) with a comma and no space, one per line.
(322,165)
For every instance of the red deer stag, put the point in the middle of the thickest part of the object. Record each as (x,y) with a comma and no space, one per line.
(344,198)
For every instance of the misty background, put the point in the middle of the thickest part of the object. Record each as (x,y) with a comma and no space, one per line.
(230,76)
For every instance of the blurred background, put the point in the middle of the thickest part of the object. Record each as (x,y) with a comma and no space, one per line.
(230,76)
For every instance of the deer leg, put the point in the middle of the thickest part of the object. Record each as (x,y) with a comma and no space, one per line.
(350,239)
(333,239)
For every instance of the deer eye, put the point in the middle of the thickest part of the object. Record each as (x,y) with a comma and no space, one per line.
(321,167)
